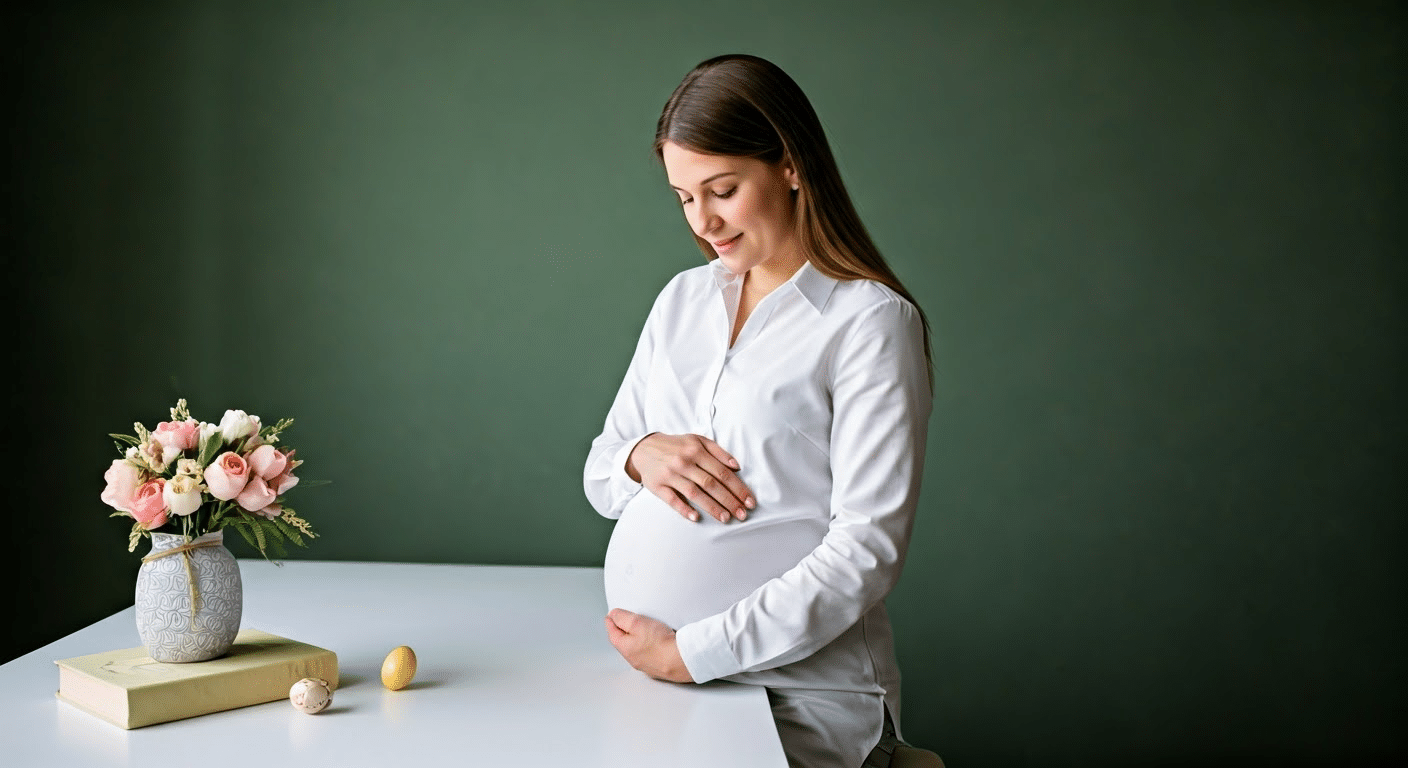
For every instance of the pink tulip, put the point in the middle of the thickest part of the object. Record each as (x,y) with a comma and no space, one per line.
(227,476)
(181,435)
(123,478)
(256,495)
(148,506)
(267,462)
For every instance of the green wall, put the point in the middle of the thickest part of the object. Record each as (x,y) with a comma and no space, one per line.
(1161,247)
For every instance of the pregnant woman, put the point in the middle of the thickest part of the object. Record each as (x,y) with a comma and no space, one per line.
(763,455)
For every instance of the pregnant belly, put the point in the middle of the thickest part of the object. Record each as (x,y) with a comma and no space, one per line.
(660,565)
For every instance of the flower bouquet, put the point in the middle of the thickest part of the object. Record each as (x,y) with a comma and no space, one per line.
(193,478)
(183,484)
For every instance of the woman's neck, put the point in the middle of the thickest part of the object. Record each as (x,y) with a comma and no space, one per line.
(766,277)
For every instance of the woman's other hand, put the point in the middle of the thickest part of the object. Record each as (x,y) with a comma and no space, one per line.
(685,469)
(647,644)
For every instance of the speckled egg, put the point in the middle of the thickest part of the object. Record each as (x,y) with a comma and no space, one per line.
(310,695)
(399,668)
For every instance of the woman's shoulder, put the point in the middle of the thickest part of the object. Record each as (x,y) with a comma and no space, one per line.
(689,281)
(694,277)
(686,285)
(868,297)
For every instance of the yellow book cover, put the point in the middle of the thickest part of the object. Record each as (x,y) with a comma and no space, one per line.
(130,690)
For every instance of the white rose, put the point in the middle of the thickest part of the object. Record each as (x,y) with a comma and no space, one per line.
(237,424)
(182,495)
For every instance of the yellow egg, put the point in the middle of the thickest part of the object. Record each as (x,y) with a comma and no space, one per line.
(399,668)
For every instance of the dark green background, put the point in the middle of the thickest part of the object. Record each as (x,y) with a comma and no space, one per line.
(1161,247)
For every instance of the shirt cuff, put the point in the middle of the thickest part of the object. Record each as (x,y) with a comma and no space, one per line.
(705,650)
(623,482)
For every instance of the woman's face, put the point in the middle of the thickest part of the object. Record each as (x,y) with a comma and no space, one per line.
(741,205)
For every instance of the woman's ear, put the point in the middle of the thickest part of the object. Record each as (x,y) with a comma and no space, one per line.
(790,174)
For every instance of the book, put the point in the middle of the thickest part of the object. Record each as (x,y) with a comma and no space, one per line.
(130,690)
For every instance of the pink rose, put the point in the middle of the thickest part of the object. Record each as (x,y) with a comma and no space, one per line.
(272,511)
(256,495)
(267,462)
(181,435)
(148,506)
(285,479)
(226,476)
(123,478)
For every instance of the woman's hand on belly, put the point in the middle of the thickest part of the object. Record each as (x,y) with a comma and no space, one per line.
(647,645)
(684,469)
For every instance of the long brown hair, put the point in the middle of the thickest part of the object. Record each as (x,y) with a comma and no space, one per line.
(745,106)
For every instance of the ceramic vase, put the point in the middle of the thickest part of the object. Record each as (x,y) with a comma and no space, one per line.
(168,627)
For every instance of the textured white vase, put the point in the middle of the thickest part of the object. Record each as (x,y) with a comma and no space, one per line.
(164,618)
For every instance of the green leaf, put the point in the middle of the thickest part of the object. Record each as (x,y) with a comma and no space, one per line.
(243,531)
(288,531)
(270,529)
(130,440)
(209,449)
(312,483)
(259,537)
(278,546)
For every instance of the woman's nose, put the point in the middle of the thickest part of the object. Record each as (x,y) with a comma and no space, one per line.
(704,220)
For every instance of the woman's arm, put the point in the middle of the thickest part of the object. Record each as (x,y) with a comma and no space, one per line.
(881,403)
(604,478)
(680,469)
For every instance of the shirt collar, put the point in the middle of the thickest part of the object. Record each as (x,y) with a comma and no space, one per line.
(722,276)
(815,287)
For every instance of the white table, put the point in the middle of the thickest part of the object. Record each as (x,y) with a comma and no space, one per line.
(514,670)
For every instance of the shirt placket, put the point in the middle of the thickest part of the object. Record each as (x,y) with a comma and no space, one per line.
(706,406)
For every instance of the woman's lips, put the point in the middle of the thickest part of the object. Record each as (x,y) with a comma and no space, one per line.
(724,246)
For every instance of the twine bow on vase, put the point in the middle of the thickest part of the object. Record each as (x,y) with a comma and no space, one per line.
(185,549)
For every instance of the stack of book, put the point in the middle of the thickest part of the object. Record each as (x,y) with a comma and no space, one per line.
(130,690)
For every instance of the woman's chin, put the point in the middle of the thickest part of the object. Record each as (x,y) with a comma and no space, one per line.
(735,264)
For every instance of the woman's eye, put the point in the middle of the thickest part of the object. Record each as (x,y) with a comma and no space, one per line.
(721,195)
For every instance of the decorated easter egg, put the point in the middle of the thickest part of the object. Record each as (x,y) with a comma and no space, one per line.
(399,668)
(310,695)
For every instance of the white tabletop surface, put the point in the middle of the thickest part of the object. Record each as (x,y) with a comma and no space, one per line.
(514,670)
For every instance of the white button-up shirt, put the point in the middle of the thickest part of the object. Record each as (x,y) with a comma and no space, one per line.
(824,400)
